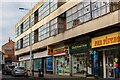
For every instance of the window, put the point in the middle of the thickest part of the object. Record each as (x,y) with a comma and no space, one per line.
(80,5)
(37,64)
(44,10)
(99,8)
(81,19)
(87,17)
(53,27)
(31,20)
(26,41)
(86,3)
(26,25)
(17,45)
(80,12)
(32,37)
(43,31)
(19,30)
(69,25)
(53,5)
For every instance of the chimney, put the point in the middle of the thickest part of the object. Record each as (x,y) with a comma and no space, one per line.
(9,39)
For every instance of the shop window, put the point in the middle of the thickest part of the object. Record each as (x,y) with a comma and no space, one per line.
(62,65)
(37,64)
(79,63)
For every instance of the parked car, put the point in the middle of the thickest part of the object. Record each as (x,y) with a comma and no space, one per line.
(19,71)
(8,69)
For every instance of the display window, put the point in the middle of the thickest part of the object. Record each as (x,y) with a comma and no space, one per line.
(82,64)
(62,65)
(79,63)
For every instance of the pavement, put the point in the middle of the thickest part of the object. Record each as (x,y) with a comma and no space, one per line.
(50,77)
(0,75)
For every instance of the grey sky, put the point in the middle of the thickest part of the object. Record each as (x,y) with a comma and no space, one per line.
(9,16)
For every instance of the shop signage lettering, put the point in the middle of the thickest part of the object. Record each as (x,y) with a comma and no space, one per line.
(60,50)
(105,40)
(79,46)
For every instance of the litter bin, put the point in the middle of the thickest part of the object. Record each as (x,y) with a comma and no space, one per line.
(41,73)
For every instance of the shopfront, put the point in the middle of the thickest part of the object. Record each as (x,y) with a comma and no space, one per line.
(81,58)
(108,49)
(62,63)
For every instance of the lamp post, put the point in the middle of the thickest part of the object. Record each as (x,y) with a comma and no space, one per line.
(31,55)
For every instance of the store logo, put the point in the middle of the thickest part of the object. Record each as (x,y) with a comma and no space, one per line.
(105,40)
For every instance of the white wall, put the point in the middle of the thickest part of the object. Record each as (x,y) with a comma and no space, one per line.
(36,55)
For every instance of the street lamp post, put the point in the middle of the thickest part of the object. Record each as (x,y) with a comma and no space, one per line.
(31,56)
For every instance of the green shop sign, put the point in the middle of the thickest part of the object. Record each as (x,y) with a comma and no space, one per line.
(79,47)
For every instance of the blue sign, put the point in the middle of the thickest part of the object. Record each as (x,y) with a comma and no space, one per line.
(95,57)
(49,62)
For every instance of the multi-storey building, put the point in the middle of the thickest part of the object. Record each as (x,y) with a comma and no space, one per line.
(79,37)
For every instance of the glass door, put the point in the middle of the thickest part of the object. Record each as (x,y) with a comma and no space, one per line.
(110,66)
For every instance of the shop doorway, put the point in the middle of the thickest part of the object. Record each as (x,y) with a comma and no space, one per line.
(110,66)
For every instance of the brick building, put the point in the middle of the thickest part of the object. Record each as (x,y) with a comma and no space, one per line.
(8,50)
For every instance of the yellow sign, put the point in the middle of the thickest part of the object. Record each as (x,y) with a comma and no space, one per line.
(116,59)
(105,40)
(50,50)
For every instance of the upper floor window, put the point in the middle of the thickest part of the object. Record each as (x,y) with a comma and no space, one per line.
(100,8)
(26,40)
(19,30)
(32,37)
(43,10)
(26,24)
(53,5)
(85,11)
(32,20)
(53,27)
(43,32)
(17,45)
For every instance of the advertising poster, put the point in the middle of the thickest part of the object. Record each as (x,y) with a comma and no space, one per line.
(49,63)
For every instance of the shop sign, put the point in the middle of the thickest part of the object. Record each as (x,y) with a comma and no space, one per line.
(116,59)
(50,50)
(109,39)
(79,47)
(61,50)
